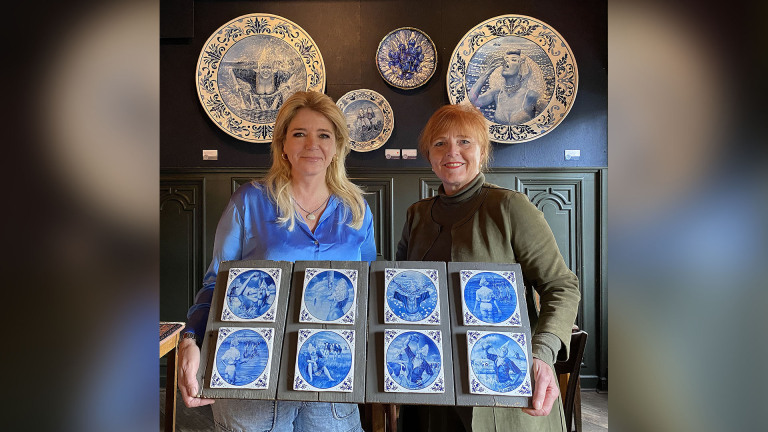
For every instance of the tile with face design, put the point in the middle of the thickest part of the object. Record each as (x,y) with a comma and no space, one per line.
(411,296)
(489,298)
(251,294)
(498,363)
(413,361)
(329,296)
(325,360)
(242,358)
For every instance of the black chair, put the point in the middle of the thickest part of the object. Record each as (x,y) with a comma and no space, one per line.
(572,366)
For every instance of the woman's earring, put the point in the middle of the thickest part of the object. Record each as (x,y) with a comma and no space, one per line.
(285,156)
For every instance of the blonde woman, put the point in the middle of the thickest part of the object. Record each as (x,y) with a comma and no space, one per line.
(304,209)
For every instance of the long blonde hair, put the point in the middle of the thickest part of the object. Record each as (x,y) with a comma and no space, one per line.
(277,182)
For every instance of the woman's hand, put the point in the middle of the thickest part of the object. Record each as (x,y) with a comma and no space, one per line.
(496,63)
(546,391)
(189,362)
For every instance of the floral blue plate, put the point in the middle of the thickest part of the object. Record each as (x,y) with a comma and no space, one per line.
(406,58)
(519,72)
(249,66)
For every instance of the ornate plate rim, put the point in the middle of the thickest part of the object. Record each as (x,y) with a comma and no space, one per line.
(551,42)
(215,48)
(378,65)
(389,120)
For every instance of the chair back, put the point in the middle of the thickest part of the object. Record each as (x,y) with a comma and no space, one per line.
(572,366)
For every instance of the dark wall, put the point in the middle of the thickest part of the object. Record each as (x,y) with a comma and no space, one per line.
(347,34)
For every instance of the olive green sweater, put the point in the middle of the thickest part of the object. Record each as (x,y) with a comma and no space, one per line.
(503,226)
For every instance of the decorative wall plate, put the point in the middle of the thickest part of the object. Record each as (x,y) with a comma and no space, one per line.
(406,58)
(249,66)
(369,118)
(519,72)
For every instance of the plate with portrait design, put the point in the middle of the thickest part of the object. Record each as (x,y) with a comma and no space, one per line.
(249,66)
(520,73)
(369,117)
(406,58)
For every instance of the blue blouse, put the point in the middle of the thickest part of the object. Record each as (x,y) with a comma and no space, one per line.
(248,230)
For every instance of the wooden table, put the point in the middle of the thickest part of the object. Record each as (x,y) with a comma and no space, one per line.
(169,339)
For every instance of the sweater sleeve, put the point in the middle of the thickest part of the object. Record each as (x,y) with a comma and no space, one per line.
(545,347)
(544,268)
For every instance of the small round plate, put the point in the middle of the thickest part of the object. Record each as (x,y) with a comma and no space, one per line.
(249,66)
(406,58)
(369,118)
(519,72)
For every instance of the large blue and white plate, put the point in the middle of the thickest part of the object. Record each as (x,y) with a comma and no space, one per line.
(369,118)
(406,58)
(519,72)
(249,66)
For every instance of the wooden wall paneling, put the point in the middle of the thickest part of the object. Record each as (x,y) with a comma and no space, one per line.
(378,194)
(429,186)
(560,201)
(181,245)
(601,291)
(239,181)
(181,249)
(569,203)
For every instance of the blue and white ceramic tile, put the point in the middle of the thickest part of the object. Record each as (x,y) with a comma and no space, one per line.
(251,294)
(519,72)
(411,296)
(413,361)
(489,298)
(498,363)
(370,119)
(329,296)
(243,358)
(406,58)
(249,66)
(325,360)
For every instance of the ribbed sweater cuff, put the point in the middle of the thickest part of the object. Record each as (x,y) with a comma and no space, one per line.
(545,347)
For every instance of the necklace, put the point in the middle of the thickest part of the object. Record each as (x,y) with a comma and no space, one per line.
(311,214)
(510,88)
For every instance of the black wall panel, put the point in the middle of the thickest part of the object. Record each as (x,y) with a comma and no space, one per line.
(347,34)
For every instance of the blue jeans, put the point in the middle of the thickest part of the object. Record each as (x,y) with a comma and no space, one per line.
(235,415)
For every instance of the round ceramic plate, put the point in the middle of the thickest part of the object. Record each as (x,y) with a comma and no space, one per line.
(369,118)
(406,58)
(249,66)
(519,72)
